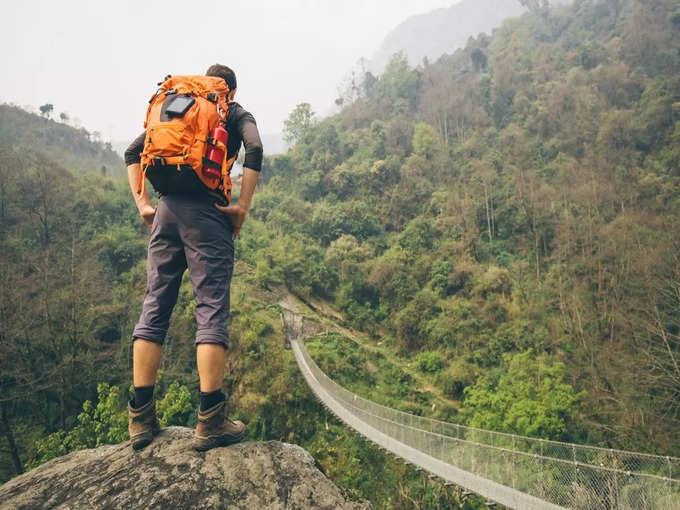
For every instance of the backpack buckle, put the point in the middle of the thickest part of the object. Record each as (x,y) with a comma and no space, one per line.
(212,97)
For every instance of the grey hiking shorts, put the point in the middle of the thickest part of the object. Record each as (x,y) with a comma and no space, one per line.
(188,231)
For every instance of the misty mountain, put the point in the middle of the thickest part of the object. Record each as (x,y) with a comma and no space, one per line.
(444,30)
(73,148)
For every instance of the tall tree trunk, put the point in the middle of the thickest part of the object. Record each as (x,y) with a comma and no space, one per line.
(7,431)
(493,216)
(538,260)
(488,213)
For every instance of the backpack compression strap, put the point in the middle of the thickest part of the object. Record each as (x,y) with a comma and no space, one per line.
(141,179)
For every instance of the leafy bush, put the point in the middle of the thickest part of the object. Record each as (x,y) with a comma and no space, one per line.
(412,321)
(440,274)
(330,221)
(418,236)
(458,376)
(529,398)
(104,423)
(495,280)
(176,407)
(457,324)
(107,422)
(120,248)
(425,140)
(429,362)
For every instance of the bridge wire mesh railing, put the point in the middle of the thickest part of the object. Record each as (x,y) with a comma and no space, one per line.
(569,475)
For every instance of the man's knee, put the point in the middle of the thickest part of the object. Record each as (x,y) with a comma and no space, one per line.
(147,342)
(214,337)
(149,333)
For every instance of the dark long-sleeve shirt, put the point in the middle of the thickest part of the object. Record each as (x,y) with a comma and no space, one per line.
(241,127)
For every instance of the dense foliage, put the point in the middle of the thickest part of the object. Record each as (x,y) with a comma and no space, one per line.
(502,223)
(507,212)
(74,148)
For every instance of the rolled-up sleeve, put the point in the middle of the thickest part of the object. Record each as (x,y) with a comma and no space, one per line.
(132,153)
(251,142)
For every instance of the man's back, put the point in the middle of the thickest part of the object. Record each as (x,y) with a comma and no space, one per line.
(242,129)
(194,231)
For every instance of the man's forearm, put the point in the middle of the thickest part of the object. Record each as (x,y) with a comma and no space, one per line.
(133,178)
(248,183)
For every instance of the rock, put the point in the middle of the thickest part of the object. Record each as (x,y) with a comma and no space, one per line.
(170,474)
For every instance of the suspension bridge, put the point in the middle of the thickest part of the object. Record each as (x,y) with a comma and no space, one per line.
(513,471)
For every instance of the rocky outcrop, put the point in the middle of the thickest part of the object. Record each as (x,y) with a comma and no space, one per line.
(170,474)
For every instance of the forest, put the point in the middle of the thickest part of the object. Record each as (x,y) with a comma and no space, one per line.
(499,227)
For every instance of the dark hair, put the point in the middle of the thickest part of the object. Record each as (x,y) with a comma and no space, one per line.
(223,72)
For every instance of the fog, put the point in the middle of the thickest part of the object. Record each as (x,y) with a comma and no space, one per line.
(100,62)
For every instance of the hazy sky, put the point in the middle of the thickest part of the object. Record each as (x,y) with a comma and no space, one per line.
(100,61)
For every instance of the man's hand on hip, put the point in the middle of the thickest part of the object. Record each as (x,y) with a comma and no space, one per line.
(147,212)
(237,215)
(237,212)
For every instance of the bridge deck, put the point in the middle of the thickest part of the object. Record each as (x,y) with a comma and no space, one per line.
(515,471)
(491,490)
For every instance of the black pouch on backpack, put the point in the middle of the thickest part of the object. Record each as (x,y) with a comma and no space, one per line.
(176,106)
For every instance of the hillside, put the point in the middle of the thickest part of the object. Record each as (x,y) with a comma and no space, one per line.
(72,251)
(496,232)
(505,215)
(71,148)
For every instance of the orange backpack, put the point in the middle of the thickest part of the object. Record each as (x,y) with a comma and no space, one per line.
(175,146)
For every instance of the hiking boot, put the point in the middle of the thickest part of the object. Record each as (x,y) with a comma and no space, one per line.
(215,429)
(142,424)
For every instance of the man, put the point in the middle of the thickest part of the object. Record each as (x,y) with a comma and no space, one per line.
(192,230)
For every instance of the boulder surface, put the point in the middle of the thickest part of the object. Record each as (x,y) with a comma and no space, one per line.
(170,474)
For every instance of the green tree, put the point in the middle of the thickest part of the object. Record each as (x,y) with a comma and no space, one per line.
(105,423)
(479,59)
(536,5)
(120,248)
(46,109)
(299,121)
(530,398)
(378,139)
(424,140)
(398,84)
(411,321)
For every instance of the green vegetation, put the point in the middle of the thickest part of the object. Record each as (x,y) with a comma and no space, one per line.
(75,149)
(104,423)
(502,224)
(530,399)
(298,123)
(429,362)
(513,201)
